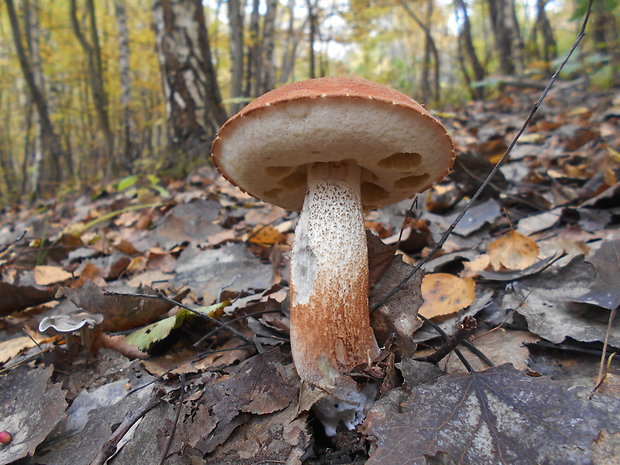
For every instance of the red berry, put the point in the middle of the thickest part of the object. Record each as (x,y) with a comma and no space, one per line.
(5,437)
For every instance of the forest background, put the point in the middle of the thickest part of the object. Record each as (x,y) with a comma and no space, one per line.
(91,91)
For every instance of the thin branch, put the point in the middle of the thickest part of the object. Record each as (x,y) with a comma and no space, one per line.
(463,331)
(160,296)
(14,241)
(109,447)
(488,178)
(445,337)
(177,415)
(225,324)
(602,372)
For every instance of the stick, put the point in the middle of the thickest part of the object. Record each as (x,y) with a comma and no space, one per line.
(160,296)
(463,331)
(109,447)
(177,415)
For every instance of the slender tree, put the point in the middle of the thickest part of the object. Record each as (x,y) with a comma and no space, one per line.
(267,72)
(235,20)
(433,49)
(130,137)
(466,44)
(313,21)
(92,50)
(51,142)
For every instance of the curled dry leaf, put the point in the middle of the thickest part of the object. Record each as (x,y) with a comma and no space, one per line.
(513,251)
(445,294)
(46,275)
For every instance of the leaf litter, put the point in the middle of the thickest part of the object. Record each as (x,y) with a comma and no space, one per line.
(236,395)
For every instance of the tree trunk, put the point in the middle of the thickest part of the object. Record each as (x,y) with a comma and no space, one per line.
(431,42)
(92,50)
(235,20)
(33,155)
(425,84)
(50,140)
(517,37)
(290,48)
(550,47)
(193,100)
(254,53)
(130,137)
(312,33)
(499,14)
(467,43)
(267,79)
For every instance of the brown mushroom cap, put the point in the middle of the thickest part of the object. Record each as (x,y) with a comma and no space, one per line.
(265,149)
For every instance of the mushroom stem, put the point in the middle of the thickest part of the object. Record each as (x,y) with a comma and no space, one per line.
(330,320)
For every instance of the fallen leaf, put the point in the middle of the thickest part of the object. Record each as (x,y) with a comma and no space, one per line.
(144,338)
(445,294)
(606,449)
(545,300)
(496,416)
(30,408)
(605,290)
(266,235)
(513,251)
(506,275)
(399,315)
(500,346)
(14,297)
(257,386)
(12,347)
(45,275)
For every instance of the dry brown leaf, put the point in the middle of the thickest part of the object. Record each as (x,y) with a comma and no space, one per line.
(45,275)
(445,294)
(137,265)
(12,347)
(513,251)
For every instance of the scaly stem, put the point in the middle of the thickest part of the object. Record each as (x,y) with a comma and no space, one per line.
(330,321)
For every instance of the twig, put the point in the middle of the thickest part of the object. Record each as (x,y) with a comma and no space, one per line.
(177,415)
(463,331)
(408,214)
(109,447)
(160,296)
(445,337)
(14,241)
(489,176)
(228,323)
(602,372)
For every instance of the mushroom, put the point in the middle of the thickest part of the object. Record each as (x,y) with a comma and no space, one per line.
(331,147)
(84,331)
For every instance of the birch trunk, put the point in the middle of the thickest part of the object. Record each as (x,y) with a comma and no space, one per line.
(193,101)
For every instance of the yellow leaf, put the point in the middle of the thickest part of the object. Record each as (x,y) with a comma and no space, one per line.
(513,251)
(445,294)
(266,235)
(532,138)
(45,275)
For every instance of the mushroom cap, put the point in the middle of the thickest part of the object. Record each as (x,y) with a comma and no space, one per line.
(265,149)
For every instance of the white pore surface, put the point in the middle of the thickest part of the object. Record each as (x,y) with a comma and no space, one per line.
(400,151)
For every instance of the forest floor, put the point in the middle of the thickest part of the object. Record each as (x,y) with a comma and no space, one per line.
(97,359)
